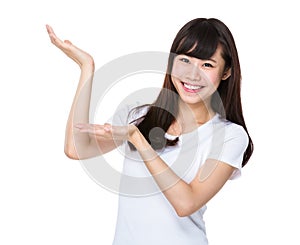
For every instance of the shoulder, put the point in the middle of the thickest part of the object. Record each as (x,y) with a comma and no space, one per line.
(137,112)
(229,144)
(232,130)
(127,113)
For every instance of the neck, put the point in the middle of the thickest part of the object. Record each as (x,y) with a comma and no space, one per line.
(191,116)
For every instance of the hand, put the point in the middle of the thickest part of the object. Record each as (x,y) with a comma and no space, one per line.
(109,132)
(79,56)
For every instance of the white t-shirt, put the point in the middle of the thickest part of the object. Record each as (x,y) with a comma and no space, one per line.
(145,216)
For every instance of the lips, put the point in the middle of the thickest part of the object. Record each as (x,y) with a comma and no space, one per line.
(192,88)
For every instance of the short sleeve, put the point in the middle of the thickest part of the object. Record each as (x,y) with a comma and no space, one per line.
(126,114)
(231,147)
(120,116)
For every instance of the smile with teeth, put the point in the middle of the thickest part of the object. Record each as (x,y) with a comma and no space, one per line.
(191,87)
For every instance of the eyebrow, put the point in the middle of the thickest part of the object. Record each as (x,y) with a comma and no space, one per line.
(199,58)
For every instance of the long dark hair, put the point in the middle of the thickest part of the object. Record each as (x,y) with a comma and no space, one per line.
(198,38)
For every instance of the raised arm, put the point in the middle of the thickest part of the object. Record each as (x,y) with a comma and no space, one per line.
(81,145)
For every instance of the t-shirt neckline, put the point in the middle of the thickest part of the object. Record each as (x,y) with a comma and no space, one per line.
(173,137)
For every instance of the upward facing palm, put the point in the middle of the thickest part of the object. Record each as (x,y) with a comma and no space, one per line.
(81,57)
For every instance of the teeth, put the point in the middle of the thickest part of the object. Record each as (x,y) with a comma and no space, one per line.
(192,86)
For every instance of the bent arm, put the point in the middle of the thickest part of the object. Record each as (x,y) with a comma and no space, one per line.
(77,145)
(186,198)
(80,145)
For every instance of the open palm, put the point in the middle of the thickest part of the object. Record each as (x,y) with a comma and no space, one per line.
(81,57)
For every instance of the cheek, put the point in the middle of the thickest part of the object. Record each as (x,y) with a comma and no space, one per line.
(215,79)
(178,70)
(175,82)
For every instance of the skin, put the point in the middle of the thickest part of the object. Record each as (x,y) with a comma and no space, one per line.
(84,140)
(193,71)
(195,108)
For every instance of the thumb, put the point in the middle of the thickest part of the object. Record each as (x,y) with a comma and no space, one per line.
(68,42)
(107,127)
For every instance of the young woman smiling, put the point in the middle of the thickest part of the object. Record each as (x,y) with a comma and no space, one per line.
(190,140)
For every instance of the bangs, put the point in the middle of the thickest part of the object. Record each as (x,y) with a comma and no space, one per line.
(199,41)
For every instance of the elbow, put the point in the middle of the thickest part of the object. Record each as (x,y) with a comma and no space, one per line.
(183,212)
(186,209)
(71,154)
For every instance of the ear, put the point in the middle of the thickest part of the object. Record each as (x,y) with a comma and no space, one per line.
(226,74)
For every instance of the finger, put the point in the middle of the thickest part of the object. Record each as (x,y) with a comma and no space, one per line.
(50,32)
(86,126)
(49,29)
(93,129)
(57,41)
(119,131)
(79,125)
(68,42)
(107,127)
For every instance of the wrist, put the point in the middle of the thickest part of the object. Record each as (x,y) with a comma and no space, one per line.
(138,140)
(142,146)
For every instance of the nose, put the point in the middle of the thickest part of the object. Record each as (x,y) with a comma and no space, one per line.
(194,73)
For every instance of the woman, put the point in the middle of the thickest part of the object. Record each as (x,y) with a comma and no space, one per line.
(190,140)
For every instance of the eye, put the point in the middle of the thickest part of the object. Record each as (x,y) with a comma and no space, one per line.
(207,65)
(185,60)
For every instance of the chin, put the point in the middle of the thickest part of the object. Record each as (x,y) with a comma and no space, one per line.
(191,101)
(195,99)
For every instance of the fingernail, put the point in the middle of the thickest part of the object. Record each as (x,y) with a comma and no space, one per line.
(107,128)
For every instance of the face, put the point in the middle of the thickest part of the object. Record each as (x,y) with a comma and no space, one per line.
(195,79)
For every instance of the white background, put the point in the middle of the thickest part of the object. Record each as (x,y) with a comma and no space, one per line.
(47,198)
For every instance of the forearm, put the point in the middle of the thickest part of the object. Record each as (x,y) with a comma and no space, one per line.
(177,191)
(75,142)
